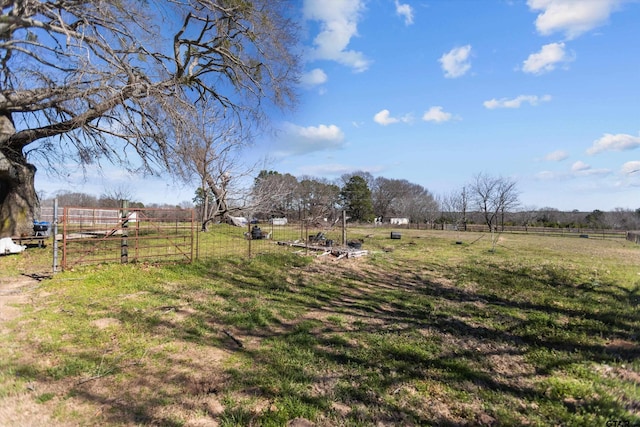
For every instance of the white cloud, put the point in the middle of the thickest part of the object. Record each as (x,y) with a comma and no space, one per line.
(320,133)
(302,140)
(581,168)
(617,142)
(455,63)
(435,114)
(314,77)
(516,102)
(406,11)
(384,118)
(546,60)
(571,17)
(631,167)
(556,156)
(338,24)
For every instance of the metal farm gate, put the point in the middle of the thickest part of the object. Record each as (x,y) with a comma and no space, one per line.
(92,235)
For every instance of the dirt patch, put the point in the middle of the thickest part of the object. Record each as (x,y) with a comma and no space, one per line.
(14,292)
(21,411)
(21,407)
(106,322)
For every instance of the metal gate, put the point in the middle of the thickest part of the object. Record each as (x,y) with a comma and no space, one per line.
(92,235)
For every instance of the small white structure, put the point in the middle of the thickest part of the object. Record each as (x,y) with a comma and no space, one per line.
(399,221)
(8,247)
(278,221)
(238,221)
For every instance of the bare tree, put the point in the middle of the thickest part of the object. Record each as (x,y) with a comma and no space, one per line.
(384,192)
(526,216)
(494,196)
(115,80)
(112,197)
(454,207)
(318,199)
(399,197)
(73,199)
(208,152)
(622,219)
(548,216)
(416,203)
(275,194)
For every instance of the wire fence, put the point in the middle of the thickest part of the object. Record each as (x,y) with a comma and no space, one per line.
(253,239)
(91,236)
(70,237)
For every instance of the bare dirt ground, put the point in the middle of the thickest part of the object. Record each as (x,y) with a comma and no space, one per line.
(15,291)
(19,409)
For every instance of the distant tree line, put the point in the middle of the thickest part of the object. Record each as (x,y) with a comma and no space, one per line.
(361,195)
(111,198)
(618,219)
(489,200)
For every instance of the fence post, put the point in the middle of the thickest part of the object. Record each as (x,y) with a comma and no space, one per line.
(344,228)
(249,238)
(302,230)
(65,220)
(55,233)
(192,238)
(124,242)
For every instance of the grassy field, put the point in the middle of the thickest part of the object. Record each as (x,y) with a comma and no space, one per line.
(423,331)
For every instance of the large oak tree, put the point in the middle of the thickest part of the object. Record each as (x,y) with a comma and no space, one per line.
(120,80)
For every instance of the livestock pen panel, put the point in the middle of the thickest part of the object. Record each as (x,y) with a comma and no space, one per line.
(91,236)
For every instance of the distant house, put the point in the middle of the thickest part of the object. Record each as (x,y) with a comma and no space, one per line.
(278,221)
(399,221)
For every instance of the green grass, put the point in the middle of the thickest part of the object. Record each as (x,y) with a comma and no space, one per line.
(423,331)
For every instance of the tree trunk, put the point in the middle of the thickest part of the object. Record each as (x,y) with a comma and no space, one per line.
(220,196)
(18,198)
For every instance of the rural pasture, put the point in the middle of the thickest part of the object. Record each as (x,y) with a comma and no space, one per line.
(430,329)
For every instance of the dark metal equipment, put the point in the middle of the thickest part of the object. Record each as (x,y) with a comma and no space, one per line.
(40,228)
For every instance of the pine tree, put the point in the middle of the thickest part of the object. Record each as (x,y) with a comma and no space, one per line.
(356,199)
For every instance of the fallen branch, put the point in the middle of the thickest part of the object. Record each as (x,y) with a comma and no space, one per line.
(235,340)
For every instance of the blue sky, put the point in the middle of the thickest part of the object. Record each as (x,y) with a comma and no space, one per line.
(545,92)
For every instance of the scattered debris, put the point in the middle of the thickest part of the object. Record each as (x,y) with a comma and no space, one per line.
(338,252)
(8,247)
(355,243)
